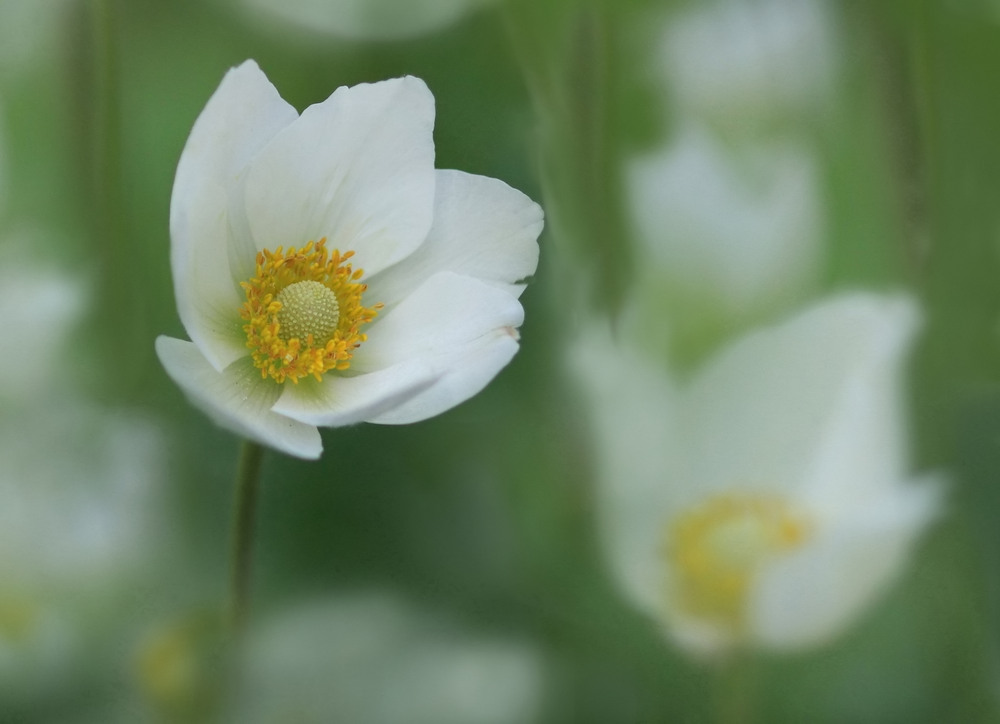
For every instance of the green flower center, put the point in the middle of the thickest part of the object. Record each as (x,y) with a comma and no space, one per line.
(308,308)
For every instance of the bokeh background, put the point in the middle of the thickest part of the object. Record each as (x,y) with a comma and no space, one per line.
(715,163)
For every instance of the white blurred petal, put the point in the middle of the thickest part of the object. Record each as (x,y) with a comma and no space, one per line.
(638,462)
(84,515)
(40,308)
(737,227)
(761,411)
(368,658)
(809,596)
(362,19)
(32,32)
(736,61)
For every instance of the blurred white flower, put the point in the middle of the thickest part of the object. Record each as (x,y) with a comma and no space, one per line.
(738,62)
(733,228)
(30,30)
(40,306)
(77,490)
(77,528)
(75,496)
(767,502)
(368,658)
(311,339)
(362,19)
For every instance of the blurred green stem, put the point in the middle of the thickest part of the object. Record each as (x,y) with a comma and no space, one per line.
(568,51)
(245,505)
(735,697)
(121,319)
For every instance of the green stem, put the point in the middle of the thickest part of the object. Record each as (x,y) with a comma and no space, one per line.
(121,277)
(247,487)
(736,696)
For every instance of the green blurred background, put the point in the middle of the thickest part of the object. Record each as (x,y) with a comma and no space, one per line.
(484,515)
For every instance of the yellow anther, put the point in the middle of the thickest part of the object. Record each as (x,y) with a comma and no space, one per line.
(303,312)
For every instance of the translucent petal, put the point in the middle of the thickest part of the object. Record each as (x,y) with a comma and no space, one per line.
(240,117)
(340,400)
(462,328)
(237,399)
(357,168)
(482,228)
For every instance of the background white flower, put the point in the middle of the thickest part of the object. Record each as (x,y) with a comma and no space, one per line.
(741,63)
(30,31)
(444,253)
(740,228)
(41,306)
(362,19)
(766,502)
(78,498)
(369,658)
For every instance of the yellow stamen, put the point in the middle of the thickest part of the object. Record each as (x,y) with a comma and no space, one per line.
(303,312)
(715,551)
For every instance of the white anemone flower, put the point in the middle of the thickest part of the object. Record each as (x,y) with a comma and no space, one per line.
(362,19)
(766,503)
(327,273)
(739,230)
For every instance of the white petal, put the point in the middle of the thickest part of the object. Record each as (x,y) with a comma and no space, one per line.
(760,414)
(482,228)
(339,400)
(632,406)
(470,369)
(461,328)
(240,117)
(357,168)
(237,399)
(810,596)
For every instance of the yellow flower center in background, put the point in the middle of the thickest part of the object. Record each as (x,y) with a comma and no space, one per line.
(18,619)
(716,550)
(303,312)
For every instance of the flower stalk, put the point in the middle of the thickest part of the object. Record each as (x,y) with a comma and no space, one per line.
(735,684)
(244,510)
